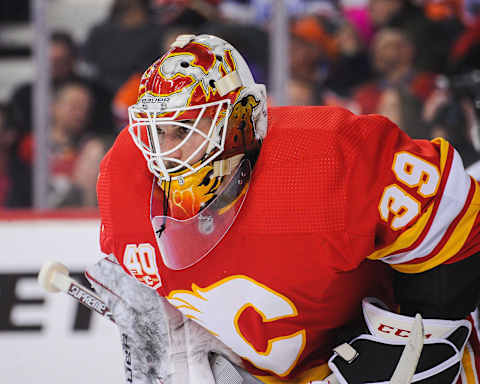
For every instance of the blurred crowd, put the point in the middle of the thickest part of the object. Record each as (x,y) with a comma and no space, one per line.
(415,61)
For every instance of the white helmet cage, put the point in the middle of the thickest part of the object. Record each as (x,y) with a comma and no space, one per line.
(151,110)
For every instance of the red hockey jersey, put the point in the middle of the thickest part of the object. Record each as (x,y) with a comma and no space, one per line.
(330,191)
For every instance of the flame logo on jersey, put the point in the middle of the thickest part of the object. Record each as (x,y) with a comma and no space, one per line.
(219,307)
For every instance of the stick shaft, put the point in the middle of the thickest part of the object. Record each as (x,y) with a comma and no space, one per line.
(82,294)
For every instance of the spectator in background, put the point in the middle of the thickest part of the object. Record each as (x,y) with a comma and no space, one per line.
(123,44)
(70,114)
(74,153)
(351,66)
(356,14)
(451,112)
(251,39)
(193,14)
(63,60)
(192,17)
(441,10)
(466,50)
(326,50)
(392,57)
(127,94)
(171,33)
(452,122)
(405,110)
(313,49)
(62,57)
(204,16)
(432,39)
(470,11)
(301,92)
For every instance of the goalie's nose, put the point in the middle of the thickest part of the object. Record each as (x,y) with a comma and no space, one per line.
(170,143)
(170,139)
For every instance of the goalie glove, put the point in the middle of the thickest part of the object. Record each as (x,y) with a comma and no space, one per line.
(160,345)
(374,356)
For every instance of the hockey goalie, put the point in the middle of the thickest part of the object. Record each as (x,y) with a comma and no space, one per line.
(281,245)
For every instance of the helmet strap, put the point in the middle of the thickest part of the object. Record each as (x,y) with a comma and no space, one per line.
(228,83)
(225,167)
(166,197)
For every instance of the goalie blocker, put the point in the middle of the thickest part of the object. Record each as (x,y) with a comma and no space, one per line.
(374,356)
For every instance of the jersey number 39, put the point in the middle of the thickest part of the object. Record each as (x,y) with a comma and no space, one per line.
(414,172)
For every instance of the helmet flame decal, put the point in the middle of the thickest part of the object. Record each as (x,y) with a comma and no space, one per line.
(189,72)
(185,200)
(203,57)
(229,61)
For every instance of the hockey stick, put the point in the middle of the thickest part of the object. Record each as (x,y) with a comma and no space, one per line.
(54,277)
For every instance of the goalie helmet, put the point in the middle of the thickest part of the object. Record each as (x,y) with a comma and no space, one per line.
(199,77)
(203,90)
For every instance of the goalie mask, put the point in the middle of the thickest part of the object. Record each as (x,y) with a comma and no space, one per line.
(199,122)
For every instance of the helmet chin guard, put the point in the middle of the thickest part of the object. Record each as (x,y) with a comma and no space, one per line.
(184,243)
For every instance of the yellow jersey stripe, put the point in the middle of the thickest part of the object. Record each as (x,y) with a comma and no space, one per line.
(407,238)
(468,366)
(452,205)
(455,242)
(444,147)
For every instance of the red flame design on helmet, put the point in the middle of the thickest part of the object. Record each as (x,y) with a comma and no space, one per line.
(154,83)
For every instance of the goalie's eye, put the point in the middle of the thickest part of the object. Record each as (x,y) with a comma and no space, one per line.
(182,132)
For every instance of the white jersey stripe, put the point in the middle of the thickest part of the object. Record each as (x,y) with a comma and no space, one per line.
(475,318)
(451,204)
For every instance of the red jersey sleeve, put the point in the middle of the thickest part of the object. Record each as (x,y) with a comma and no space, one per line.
(103,184)
(123,193)
(412,205)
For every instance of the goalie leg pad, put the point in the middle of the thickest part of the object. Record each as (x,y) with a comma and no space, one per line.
(380,348)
